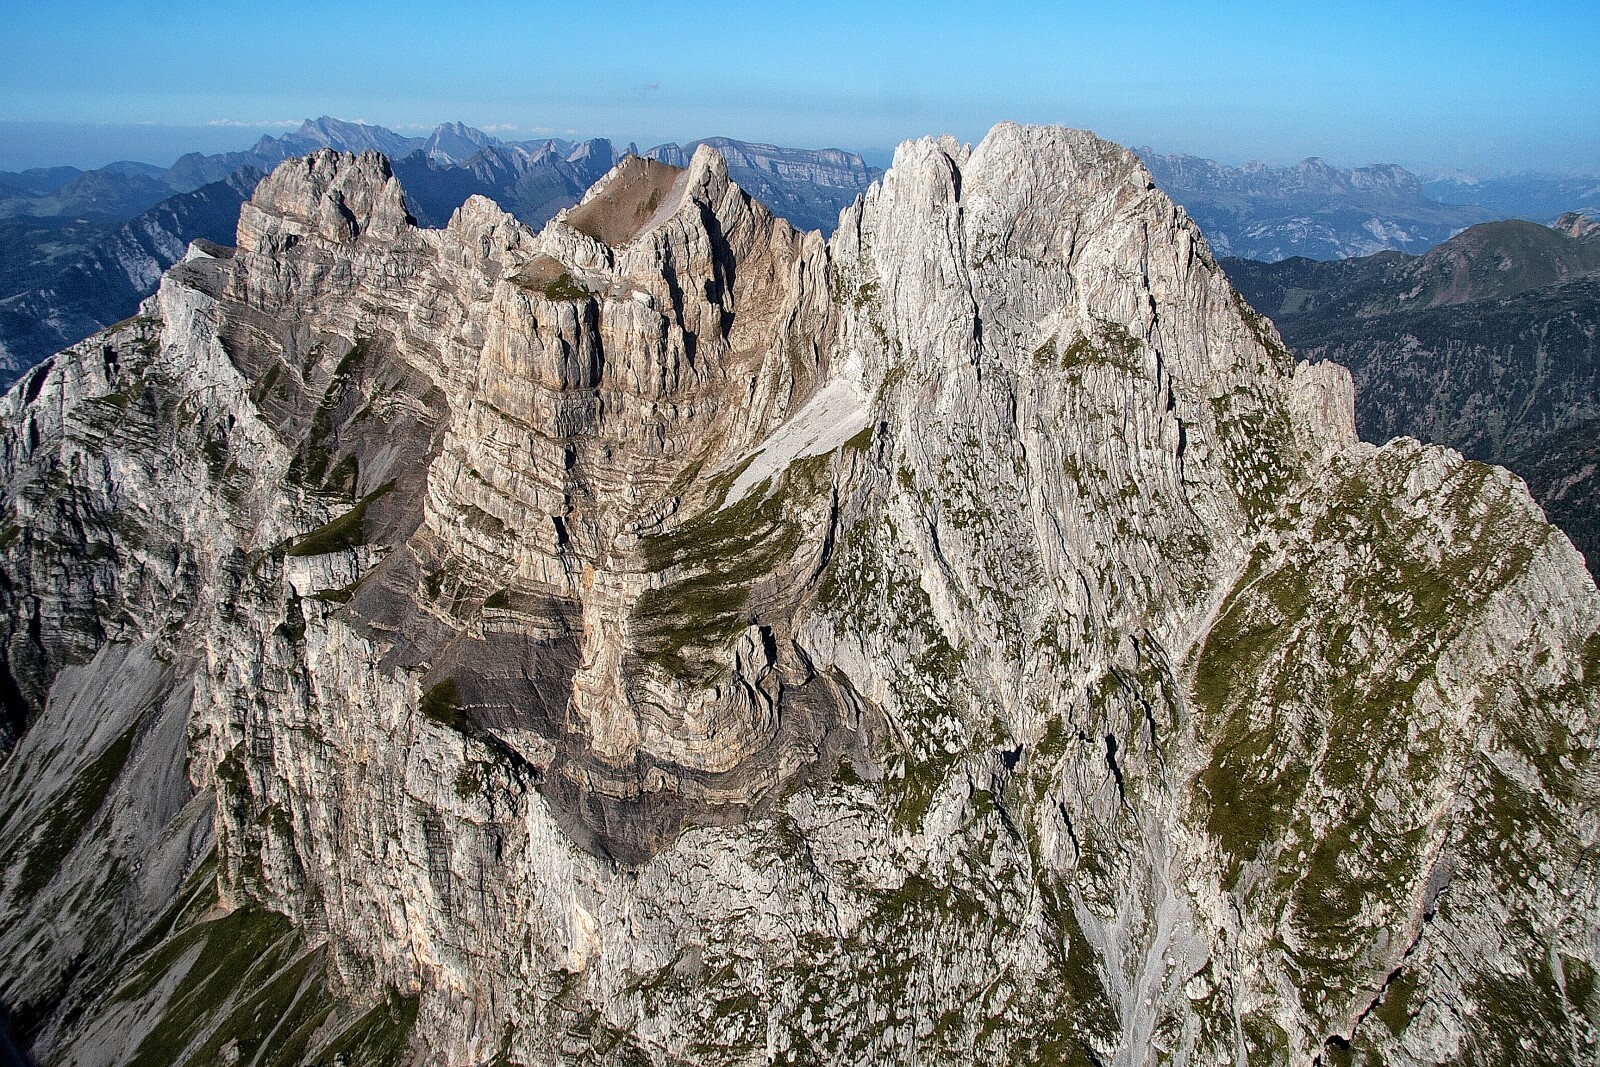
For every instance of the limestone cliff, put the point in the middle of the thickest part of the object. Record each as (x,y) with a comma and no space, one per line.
(666,638)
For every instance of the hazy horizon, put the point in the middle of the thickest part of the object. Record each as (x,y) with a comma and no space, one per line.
(1476,87)
(87,146)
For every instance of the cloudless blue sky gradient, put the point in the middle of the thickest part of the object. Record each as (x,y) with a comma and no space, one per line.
(1479,86)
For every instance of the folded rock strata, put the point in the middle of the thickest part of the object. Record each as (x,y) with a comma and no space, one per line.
(668,638)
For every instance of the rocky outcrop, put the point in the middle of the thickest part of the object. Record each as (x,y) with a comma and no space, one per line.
(96,273)
(808,188)
(533,181)
(668,638)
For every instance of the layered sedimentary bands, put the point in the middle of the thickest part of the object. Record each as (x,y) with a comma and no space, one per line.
(67,270)
(668,638)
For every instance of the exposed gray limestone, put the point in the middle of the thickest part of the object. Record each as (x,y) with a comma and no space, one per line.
(668,638)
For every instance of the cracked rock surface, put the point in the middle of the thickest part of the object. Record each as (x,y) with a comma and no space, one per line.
(668,638)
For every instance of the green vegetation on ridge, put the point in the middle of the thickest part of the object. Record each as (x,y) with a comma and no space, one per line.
(1310,687)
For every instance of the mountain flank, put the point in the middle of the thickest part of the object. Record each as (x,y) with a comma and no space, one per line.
(1489,343)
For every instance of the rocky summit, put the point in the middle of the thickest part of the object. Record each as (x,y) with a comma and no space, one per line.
(669,638)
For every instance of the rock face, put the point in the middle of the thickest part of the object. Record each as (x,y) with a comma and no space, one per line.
(68,270)
(666,638)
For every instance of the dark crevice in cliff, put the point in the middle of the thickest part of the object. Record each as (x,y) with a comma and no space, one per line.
(1116,771)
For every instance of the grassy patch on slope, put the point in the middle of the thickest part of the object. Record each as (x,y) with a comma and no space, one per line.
(1308,685)
(343,533)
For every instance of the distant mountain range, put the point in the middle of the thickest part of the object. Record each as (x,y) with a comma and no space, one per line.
(1316,210)
(64,281)
(1310,209)
(1489,343)
(806,187)
(80,249)
(1539,197)
(113,193)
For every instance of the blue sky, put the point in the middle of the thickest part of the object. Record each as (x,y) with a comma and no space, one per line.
(1472,85)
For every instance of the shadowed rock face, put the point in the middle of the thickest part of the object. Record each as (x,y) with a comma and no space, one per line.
(667,638)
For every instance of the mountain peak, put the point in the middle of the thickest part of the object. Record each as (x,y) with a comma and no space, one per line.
(454,142)
(327,126)
(636,193)
(329,132)
(673,633)
(338,196)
